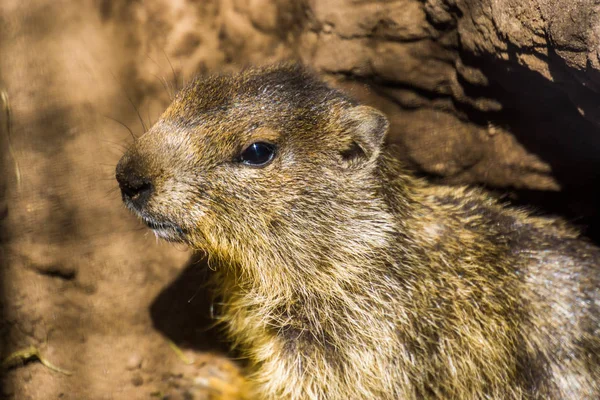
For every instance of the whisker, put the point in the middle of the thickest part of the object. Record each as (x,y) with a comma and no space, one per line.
(122,124)
(162,80)
(130,102)
(148,112)
(171,65)
(119,145)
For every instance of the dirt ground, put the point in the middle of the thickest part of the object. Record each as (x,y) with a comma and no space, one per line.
(92,306)
(82,281)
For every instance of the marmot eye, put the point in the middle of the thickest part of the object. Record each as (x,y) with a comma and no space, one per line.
(258,154)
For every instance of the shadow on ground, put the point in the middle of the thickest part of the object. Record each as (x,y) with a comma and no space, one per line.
(183,310)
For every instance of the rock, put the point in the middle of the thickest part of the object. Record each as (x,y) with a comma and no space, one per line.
(134,362)
(137,380)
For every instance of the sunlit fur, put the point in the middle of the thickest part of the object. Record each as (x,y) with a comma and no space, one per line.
(341,276)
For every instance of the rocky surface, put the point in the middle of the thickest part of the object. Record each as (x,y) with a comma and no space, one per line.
(496,92)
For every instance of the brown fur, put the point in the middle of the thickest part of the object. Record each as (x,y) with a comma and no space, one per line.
(344,277)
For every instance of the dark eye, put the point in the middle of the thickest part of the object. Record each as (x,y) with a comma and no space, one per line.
(258,154)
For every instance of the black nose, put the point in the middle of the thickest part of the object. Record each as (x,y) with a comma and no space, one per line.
(135,188)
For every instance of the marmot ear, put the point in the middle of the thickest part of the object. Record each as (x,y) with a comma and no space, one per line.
(366,127)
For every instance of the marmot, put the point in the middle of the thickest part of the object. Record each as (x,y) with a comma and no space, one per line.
(342,276)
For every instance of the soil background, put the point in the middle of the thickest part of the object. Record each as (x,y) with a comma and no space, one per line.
(501,93)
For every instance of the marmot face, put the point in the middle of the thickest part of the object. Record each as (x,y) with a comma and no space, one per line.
(238,162)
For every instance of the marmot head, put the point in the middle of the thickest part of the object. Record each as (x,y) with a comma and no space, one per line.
(237,162)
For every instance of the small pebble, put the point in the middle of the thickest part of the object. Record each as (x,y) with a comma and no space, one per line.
(134,362)
(327,28)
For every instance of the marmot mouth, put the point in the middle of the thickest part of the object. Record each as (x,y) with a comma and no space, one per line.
(164,230)
(155,224)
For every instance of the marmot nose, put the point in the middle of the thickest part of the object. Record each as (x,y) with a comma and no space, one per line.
(136,189)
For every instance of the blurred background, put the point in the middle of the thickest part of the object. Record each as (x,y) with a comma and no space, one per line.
(500,93)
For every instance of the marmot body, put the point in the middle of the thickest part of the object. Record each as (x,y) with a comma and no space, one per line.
(344,277)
